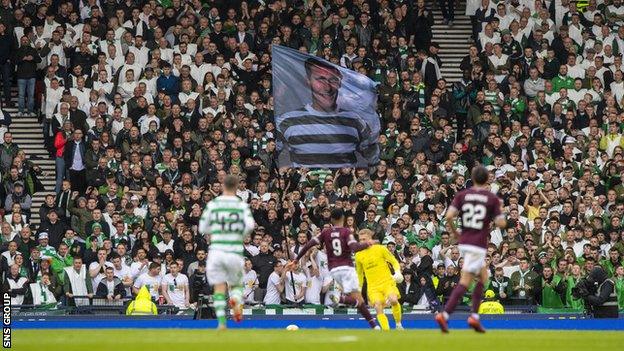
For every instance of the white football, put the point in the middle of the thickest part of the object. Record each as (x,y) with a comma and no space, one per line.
(292,327)
(398,277)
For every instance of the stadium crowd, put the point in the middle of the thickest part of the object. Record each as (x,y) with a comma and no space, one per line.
(147,105)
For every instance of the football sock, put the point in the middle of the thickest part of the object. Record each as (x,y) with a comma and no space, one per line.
(477,294)
(396,313)
(219,306)
(348,300)
(236,294)
(367,315)
(453,300)
(383,321)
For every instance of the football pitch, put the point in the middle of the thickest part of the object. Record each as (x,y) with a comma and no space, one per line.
(318,340)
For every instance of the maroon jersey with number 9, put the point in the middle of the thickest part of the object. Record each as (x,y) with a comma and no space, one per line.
(336,241)
(477,209)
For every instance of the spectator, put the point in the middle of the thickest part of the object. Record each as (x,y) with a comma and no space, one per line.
(26,59)
(275,285)
(110,287)
(77,283)
(7,47)
(523,284)
(151,280)
(408,289)
(74,155)
(175,287)
(15,284)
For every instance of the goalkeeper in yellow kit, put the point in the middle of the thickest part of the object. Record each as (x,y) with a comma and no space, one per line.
(372,264)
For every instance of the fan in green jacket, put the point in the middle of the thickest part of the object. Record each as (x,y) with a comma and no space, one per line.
(60,260)
(619,286)
(572,280)
(562,80)
(553,288)
(611,263)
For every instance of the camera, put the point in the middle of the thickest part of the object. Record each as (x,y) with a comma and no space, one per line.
(583,288)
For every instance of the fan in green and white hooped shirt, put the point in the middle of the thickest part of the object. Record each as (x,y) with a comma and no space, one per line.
(47,251)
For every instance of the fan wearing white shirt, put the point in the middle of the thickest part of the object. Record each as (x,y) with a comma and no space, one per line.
(175,287)
(126,89)
(250,282)
(129,64)
(167,241)
(80,91)
(140,52)
(151,280)
(149,79)
(184,55)
(275,285)
(140,264)
(199,68)
(186,92)
(103,86)
(53,97)
(574,70)
(578,93)
(122,271)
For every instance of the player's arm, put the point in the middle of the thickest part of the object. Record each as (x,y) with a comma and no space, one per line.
(389,257)
(355,246)
(310,244)
(359,269)
(204,221)
(499,215)
(451,214)
(249,221)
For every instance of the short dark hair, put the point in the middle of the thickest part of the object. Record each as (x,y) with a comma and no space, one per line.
(230,182)
(480,175)
(336,214)
(318,63)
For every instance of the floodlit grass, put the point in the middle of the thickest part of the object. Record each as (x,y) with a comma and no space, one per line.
(318,340)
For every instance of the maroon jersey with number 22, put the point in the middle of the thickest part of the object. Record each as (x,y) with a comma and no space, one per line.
(336,241)
(477,209)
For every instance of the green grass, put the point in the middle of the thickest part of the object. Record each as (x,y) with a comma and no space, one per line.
(317,340)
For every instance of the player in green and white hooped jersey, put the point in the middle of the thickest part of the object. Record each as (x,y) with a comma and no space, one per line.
(227,219)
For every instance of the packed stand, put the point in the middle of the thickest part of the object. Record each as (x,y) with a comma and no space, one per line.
(147,105)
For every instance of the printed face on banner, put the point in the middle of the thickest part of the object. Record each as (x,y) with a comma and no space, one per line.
(325,114)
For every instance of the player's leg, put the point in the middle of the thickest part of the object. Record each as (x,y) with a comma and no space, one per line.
(351,296)
(393,294)
(393,300)
(219,304)
(459,291)
(215,273)
(378,300)
(477,294)
(363,309)
(235,282)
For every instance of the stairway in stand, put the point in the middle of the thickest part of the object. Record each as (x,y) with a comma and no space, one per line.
(454,41)
(28,135)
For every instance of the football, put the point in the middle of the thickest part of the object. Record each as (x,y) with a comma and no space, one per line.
(292,327)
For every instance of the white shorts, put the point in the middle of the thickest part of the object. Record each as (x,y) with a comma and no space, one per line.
(474,258)
(346,279)
(225,267)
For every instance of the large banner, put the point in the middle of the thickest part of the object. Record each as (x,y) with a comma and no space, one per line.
(325,114)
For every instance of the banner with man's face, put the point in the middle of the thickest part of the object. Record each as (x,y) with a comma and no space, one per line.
(325,115)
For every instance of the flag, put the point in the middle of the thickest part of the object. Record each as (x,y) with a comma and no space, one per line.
(326,115)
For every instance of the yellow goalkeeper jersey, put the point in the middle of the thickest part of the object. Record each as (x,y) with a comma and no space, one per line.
(372,263)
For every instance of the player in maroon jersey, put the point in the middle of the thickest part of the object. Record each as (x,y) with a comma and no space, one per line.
(477,207)
(340,244)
